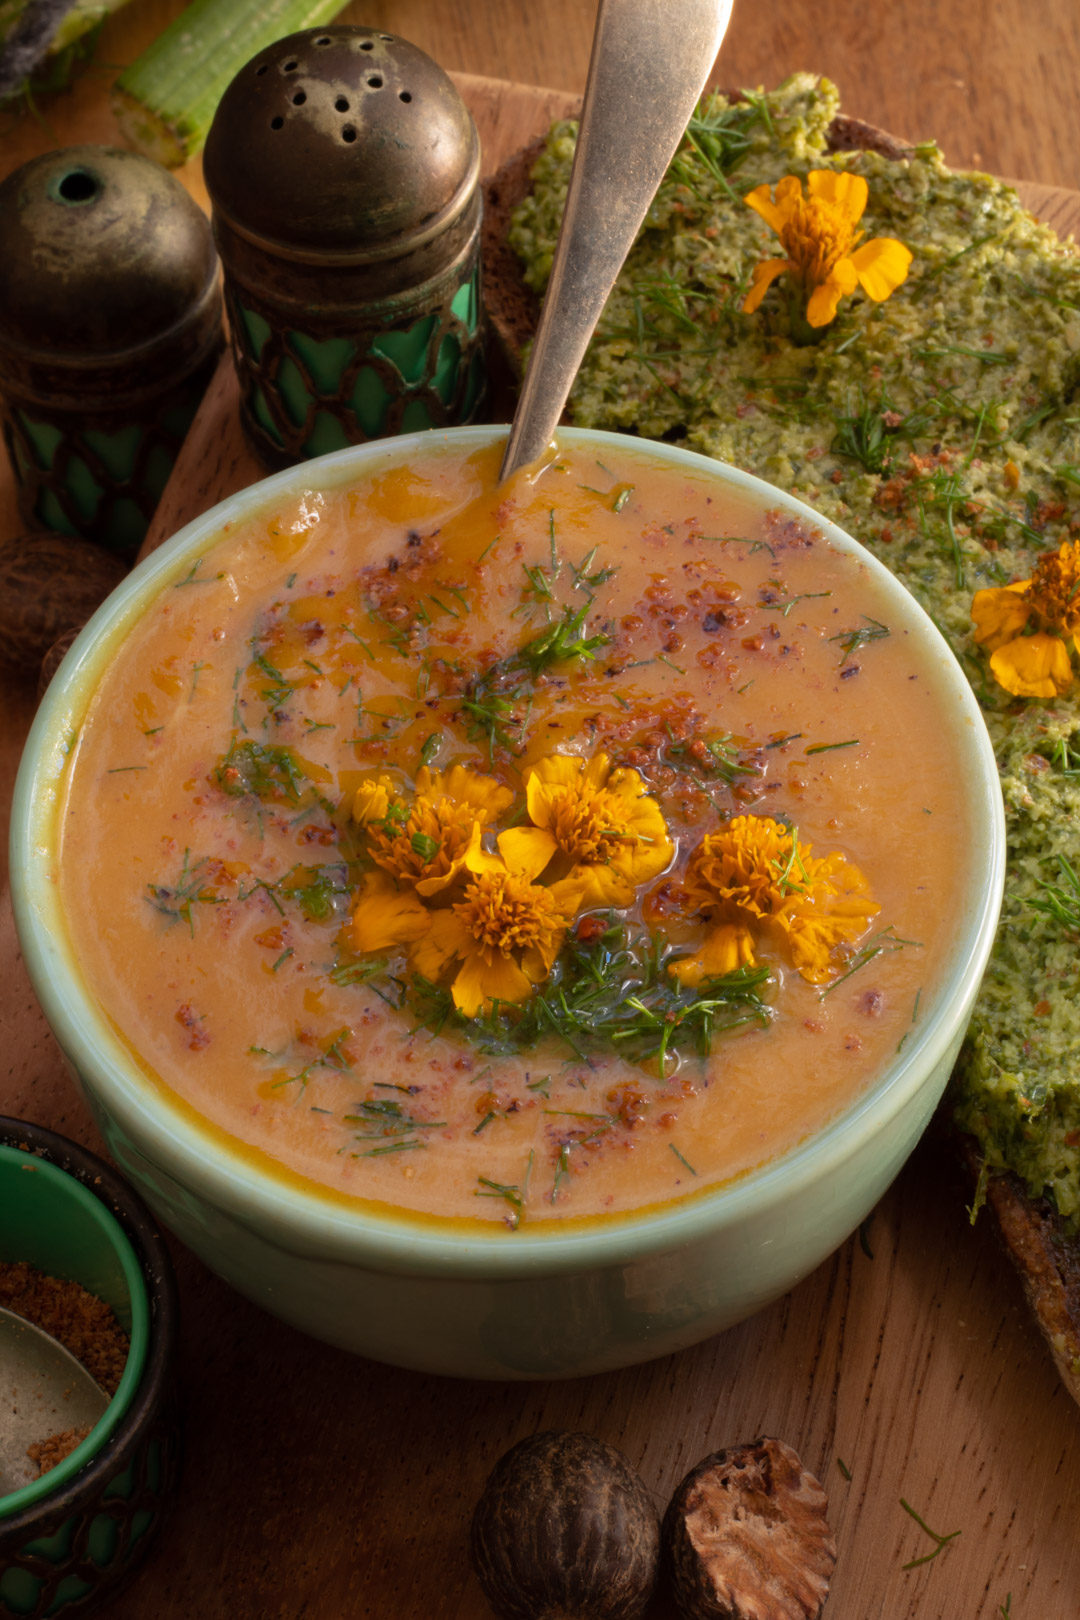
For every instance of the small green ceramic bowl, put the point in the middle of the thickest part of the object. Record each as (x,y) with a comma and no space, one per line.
(70,1538)
(486,1303)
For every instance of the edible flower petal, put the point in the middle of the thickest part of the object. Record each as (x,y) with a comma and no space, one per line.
(385,916)
(597,825)
(424,844)
(754,877)
(818,234)
(1027,626)
(373,799)
(503,935)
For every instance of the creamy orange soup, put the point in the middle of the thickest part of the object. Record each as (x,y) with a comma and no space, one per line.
(245,887)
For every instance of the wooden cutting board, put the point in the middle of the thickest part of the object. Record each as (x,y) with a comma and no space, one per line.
(324,1486)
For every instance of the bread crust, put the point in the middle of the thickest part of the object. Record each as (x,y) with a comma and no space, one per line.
(1047,1259)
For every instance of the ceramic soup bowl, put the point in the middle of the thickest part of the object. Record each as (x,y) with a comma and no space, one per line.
(473,1297)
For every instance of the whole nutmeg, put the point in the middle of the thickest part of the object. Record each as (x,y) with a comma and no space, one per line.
(746,1537)
(49,584)
(565,1530)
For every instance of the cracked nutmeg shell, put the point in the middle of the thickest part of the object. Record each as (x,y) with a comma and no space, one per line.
(746,1537)
(49,584)
(565,1530)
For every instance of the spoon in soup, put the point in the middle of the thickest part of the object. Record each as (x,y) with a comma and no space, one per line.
(650,61)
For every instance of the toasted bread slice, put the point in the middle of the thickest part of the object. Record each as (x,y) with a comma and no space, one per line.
(1048,1261)
(512,307)
(1045,1255)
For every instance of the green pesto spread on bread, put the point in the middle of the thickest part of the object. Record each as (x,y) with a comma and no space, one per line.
(940,427)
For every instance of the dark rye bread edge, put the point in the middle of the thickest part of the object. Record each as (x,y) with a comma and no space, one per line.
(1047,1259)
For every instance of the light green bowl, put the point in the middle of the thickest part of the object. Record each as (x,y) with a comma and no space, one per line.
(489,1303)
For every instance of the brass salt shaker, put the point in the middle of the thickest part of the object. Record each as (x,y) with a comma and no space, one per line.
(343,168)
(110,327)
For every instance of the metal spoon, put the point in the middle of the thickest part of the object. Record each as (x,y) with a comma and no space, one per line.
(650,60)
(43,1391)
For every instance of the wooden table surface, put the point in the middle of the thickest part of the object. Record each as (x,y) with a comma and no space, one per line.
(323,1486)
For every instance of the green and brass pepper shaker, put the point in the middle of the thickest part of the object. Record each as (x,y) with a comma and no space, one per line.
(343,168)
(110,327)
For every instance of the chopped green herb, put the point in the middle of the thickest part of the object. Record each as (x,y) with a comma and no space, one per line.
(851,640)
(785,604)
(886,940)
(281,690)
(514,1195)
(1060,901)
(176,900)
(613,993)
(192,576)
(321,892)
(562,1169)
(333,1056)
(382,1116)
(681,1160)
(864,436)
(267,773)
(942,1541)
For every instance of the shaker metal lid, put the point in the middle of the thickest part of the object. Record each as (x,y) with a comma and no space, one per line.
(341,145)
(102,252)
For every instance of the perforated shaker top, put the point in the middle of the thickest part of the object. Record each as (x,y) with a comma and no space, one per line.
(341,143)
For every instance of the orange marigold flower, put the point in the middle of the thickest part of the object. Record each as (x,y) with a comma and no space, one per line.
(498,939)
(1026,627)
(753,877)
(592,824)
(501,938)
(826,255)
(423,844)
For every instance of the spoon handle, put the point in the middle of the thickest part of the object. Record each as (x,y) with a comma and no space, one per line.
(650,60)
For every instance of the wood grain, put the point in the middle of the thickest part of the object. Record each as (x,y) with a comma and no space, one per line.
(321,1486)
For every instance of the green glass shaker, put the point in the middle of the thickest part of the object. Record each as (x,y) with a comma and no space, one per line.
(343,169)
(110,328)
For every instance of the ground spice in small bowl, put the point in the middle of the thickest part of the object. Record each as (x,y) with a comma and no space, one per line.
(47,1453)
(79,1321)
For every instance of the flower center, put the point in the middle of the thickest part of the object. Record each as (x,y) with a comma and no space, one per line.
(431,838)
(752,863)
(1054,589)
(505,912)
(583,823)
(816,235)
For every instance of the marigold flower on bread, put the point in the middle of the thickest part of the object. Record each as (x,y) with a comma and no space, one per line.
(593,825)
(754,878)
(1027,626)
(826,255)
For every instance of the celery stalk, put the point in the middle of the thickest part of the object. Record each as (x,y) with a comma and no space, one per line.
(166,100)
